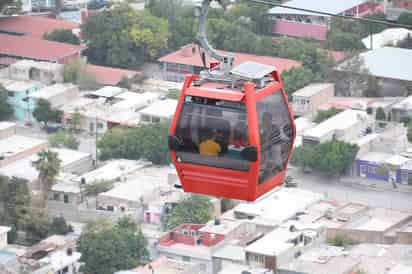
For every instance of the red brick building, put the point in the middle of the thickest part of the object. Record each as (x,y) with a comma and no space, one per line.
(187,60)
(297,23)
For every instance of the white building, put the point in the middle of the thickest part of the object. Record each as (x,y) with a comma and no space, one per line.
(3,236)
(57,95)
(72,161)
(44,72)
(307,100)
(159,111)
(345,126)
(17,147)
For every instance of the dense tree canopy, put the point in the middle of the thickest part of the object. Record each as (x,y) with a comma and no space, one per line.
(122,37)
(75,72)
(62,35)
(63,138)
(145,142)
(331,158)
(380,114)
(5,108)
(296,78)
(192,210)
(107,247)
(323,115)
(43,112)
(405,18)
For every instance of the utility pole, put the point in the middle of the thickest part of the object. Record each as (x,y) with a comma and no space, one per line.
(95,141)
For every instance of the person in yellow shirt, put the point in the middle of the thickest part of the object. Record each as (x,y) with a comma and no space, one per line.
(209,147)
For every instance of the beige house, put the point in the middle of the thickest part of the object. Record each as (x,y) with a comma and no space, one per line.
(45,72)
(307,100)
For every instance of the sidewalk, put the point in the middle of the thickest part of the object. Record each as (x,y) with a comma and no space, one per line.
(376,185)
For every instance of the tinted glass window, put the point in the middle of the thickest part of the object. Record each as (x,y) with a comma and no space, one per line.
(213,133)
(275,130)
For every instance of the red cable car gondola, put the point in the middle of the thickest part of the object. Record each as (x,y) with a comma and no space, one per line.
(233,131)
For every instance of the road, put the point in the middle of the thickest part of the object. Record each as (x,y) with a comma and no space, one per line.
(333,190)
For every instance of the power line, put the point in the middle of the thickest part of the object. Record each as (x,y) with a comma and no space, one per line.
(366,20)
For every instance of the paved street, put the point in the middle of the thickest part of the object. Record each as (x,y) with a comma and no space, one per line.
(334,190)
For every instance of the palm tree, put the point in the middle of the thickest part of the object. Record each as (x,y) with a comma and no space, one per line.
(48,166)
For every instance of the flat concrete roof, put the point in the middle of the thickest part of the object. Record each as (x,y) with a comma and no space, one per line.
(340,121)
(51,91)
(312,89)
(163,108)
(378,219)
(108,91)
(17,144)
(279,205)
(274,243)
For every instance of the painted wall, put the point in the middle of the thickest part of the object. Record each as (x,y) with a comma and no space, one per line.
(23,110)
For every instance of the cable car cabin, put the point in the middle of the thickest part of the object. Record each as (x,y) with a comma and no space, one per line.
(232,139)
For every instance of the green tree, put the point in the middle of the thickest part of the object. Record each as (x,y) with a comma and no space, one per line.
(409,134)
(97,187)
(63,138)
(35,223)
(76,119)
(122,37)
(107,247)
(330,158)
(173,94)
(43,112)
(344,41)
(323,115)
(148,142)
(48,166)
(5,108)
(405,18)
(193,210)
(380,114)
(62,35)
(59,226)
(76,72)
(296,78)
(15,197)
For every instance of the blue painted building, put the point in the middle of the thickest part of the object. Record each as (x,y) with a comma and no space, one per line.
(17,96)
(372,165)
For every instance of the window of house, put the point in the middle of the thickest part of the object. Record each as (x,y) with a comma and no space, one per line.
(100,125)
(66,198)
(56,196)
(145,118)
(372,170)
(110,208)
(155,119)
(10,93)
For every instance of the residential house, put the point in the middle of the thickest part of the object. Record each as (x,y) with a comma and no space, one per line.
(299,23)
(109,76)
(302,124)
(3,236)
(69,187)
(396,7)
(280,246)
(34,26)
(54,255)
(169,266)
(402,111)
(45,72)
(186,243)
(72,161)
(106,108)
(306,101)
(391,36)
(17,147)
(346,126)
(382,166)
(159,111)
(28,47)
(7,129)
(187,60)
(17,97)
(57,95)
(388,66)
